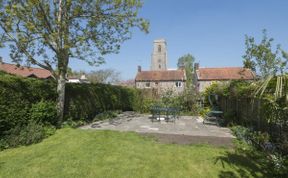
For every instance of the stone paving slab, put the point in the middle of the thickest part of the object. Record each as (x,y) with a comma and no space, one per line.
(185,125)
(189,140)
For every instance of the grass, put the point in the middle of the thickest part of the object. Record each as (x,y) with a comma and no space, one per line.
(87,153)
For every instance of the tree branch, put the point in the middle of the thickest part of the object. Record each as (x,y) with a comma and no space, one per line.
(27,54)
(45,18)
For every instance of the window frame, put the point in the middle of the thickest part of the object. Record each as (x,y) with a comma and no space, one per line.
(178,84)
(147,85)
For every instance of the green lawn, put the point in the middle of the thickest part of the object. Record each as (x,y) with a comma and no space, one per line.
(82,153)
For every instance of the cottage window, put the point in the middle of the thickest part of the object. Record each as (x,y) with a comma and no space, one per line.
(178,84)
(147,84)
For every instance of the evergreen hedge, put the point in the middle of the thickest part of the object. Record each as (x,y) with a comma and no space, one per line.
(17,95)
(84,101)
(25,102)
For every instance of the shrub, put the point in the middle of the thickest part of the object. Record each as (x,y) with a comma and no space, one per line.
(27,106)
(70,123)
(28,134)
(44,112)
(85,101)
(204,111)
(106,115)
(277,163)
(17,95)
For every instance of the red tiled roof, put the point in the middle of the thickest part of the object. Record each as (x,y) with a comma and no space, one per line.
(25,71)
(168,75)
(225,73)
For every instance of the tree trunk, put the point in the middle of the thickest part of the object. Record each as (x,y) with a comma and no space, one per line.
(61,97)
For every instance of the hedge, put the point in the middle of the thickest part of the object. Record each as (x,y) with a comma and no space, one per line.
(17,95)
(84,101)
(22,99)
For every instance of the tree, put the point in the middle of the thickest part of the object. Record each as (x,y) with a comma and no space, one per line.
(189,96)
(50,33)
(249,64)
(271,65)
(108,76)
(261,57)
(186,62)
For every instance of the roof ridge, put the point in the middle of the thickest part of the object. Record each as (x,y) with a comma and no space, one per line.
(4,63)
(223,68)
(161,70)
(25,71)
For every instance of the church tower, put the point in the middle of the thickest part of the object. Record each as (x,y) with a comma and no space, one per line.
(159,55)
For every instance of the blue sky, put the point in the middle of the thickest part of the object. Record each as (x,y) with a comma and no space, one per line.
(213,31)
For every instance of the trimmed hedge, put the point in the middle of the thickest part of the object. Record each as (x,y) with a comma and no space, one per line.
(17,95)
(28,107)
(85,101)
(26,99)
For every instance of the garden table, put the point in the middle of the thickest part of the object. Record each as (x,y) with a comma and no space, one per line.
(169,113)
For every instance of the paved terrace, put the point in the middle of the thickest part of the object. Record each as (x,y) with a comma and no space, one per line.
(185,130)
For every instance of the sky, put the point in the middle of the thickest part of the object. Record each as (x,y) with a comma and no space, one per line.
(213,31)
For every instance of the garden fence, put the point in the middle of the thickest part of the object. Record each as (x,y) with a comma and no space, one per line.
(257,114)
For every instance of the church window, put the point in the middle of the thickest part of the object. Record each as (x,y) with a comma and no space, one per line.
(159,66)
(159,48)
(159,60)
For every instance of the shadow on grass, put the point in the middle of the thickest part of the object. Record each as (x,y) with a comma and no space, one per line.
(1,164)
(246,163)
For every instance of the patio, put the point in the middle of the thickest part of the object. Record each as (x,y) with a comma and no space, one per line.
(186,130)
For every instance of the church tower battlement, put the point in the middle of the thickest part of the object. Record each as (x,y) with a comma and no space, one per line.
(159,55)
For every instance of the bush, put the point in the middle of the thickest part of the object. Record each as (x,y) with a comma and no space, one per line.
(44,112)
(28,104)
(277,163)
(204,111)
(17,95)
(106,115)
(85,101)
(28,134)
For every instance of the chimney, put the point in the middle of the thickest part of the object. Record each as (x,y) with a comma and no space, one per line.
(139,69)
(83,77)
(196,66)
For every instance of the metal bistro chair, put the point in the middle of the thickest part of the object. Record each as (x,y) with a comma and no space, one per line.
(156,113)
(215,115)
(172,114)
